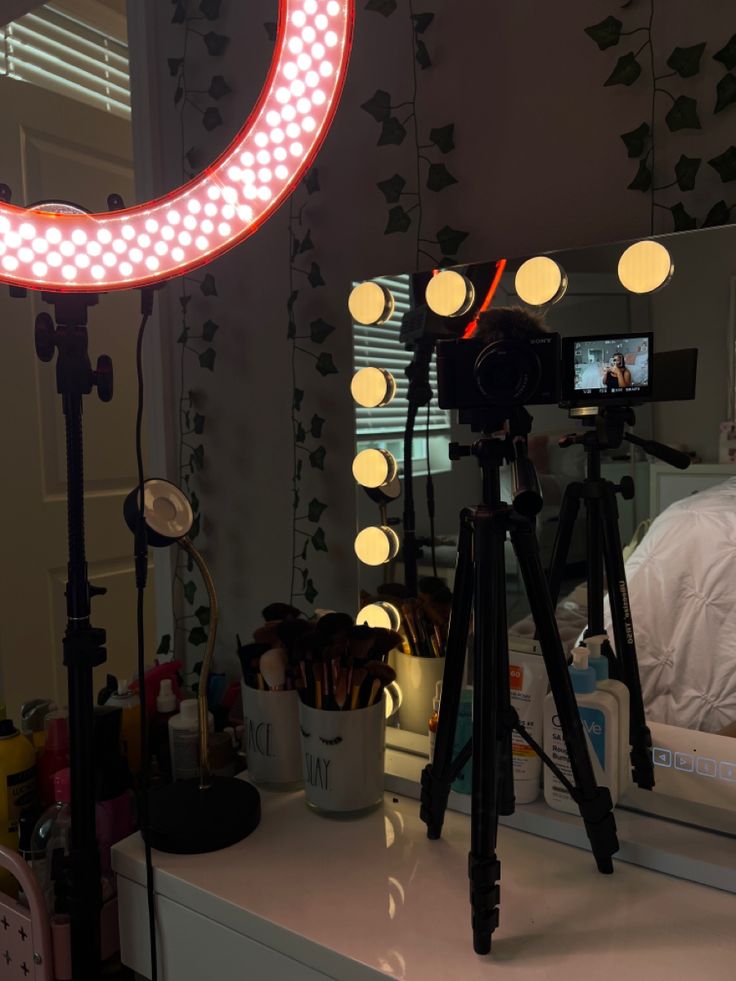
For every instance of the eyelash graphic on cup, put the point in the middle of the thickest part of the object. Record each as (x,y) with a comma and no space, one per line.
(331,742)
(151,242)
(307,735)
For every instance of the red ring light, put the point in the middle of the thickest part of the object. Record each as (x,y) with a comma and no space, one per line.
(224,205)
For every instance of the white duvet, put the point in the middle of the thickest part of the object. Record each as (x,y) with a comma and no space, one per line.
(682,584)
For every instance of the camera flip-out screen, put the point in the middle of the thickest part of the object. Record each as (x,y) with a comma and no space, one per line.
(606,368)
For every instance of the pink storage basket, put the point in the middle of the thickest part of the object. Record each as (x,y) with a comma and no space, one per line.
(31,948)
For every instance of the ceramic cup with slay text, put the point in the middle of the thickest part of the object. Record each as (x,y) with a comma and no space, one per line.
(343,757)
(271,737)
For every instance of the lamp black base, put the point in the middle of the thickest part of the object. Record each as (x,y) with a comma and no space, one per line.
(187,820)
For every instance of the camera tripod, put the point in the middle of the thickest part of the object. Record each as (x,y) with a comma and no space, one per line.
(604,552)
(480,591)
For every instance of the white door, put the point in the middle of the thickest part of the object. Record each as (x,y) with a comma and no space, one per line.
(53,147)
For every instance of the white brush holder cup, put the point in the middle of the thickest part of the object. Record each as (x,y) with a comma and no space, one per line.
(343,757)
(271,737)
(417,678)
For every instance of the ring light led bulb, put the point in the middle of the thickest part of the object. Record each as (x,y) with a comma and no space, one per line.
(147,244)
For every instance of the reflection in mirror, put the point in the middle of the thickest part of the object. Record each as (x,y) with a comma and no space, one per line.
(679,527)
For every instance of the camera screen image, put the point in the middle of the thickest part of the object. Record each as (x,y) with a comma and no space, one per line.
(606,368)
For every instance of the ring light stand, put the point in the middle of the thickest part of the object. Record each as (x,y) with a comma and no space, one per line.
(190,817)
(71,255)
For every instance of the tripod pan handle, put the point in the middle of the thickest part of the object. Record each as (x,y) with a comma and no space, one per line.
(676,458)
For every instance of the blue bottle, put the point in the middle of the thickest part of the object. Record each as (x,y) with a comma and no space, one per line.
(463,784)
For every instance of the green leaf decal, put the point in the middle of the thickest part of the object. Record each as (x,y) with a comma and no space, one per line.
(635,141)
(686,61)
(725,93)
(686,170)
(626,71)
(683,114)
(607,33)
(725,165)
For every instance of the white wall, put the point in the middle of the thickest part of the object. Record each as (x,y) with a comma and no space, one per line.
(540,165)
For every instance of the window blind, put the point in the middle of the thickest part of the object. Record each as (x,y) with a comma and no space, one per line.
(57,52)
(380,347)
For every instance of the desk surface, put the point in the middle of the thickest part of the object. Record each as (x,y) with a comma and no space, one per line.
(351,898)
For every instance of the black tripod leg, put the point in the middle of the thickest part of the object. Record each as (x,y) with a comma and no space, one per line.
(437,776)
(596,585)
(561,549)
(596,807)
(640,737)
(484,869)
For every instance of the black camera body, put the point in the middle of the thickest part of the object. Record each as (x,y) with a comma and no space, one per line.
(505,373)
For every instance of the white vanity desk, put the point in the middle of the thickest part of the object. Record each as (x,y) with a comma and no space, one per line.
(306,898)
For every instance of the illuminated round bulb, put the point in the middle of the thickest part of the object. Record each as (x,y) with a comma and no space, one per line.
(377,545)
(128,232)
(299,18)
(450,294)
(373,387)
(126,269)
(645,267)
(383,615)
(371,303)
(540,280)
(374,468)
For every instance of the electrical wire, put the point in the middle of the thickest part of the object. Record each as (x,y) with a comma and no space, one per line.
(141,565)
(430,496)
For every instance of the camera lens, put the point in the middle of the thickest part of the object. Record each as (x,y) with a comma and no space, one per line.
(507,373)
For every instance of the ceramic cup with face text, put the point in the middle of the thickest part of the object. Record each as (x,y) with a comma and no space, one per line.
(343,757)
(271,737)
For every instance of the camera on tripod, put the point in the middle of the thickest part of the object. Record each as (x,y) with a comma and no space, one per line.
(545,369)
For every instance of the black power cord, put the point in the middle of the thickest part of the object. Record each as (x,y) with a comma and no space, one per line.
(431,507)
(141,577)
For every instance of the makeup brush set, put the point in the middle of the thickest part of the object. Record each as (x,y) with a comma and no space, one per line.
(331,662)
(425,619)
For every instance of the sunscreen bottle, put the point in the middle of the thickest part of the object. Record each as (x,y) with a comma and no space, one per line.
(528,685)
(599,662)
(434,719)
(599,715)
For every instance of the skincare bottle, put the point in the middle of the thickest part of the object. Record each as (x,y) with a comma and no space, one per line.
(54,756)
(184,740)
(463,784)
(599,716)
(599,662)
(434,718)
(52,839)
(17,790)
(167,706)
(130,729)
(528,685)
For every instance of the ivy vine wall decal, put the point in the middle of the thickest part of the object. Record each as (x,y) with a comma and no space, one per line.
(406,195)
(672,103)
(198,323)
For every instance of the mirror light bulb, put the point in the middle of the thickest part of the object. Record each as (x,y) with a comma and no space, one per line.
(540,281)
(374,468)
(370,303)
(373,387)
(645,267)
(450,294)
(384,615)
(377,545)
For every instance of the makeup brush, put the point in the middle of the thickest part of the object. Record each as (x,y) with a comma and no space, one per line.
(382,675)
(280,611)
(273,668)
(359,676)
(341,689)
(268,634)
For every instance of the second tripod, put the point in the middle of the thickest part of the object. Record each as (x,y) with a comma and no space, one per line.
(480,593)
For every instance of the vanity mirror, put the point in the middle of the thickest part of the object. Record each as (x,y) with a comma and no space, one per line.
(677,577)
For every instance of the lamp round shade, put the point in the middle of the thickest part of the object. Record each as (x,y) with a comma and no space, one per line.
(377,545)
(370,303)
(374,468)
(167,511)
(450,294)
(373,387)
(540,280)
(645,267)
